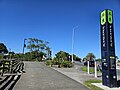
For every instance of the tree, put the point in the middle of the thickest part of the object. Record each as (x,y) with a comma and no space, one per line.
(34,56)
(90,56)
(3,48)
(18,55)
(35,44)
(84,59)
(48,52)
(30,44)
(99,60)
(63,59)
(37,48)
(11,54)
(61,55)
(116,57)
(76,58)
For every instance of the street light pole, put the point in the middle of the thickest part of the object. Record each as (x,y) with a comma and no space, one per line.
(73,42)
(24,45)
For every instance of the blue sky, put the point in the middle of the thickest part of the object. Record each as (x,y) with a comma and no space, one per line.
(54,20)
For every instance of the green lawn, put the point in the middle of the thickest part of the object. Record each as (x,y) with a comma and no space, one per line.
(88,82)
(84,68)
(91,69)
(93,87)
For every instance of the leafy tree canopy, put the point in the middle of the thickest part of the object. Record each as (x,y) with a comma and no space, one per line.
(90,56)
(38,49)
(61,55)
(3,48)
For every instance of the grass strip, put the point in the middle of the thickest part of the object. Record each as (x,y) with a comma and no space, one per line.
(93,87)
(91,69)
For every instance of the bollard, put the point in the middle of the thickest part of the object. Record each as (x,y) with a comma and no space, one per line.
(88,67)
(95,69)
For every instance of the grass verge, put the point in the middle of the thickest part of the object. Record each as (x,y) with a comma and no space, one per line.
(84,68)
(91,69)
(93,87)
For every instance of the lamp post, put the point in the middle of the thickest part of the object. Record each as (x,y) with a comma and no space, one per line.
(73,42)
(24,45)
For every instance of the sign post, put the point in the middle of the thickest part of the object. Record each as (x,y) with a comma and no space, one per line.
(109,77)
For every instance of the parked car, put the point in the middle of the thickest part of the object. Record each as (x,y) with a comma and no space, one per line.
(91,63)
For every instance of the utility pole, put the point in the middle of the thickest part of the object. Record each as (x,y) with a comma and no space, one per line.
(73,42)
(24,45)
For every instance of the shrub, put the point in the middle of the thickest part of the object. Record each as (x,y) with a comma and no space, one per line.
(49,62)
(55,62)
(66,64)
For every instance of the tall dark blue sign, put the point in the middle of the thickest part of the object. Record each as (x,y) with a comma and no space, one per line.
(109,77)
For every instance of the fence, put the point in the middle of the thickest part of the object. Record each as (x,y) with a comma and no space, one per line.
(9,66)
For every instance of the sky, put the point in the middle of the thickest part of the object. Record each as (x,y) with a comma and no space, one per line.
(54,21)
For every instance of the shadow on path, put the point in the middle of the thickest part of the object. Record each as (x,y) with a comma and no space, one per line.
(9,82)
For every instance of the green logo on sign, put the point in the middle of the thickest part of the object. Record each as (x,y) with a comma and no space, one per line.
(103,17)
(110,16)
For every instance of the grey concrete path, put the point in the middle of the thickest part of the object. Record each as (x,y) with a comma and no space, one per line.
(41,77)
(77,74)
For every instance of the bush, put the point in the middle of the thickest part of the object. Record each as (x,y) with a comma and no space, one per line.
(55,62)
(67,64)
(49,62)
(1,57)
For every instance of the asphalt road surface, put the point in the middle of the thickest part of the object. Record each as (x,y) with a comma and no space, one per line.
(40,77)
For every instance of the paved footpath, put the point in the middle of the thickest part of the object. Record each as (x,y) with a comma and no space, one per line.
(77,74)
(40,77)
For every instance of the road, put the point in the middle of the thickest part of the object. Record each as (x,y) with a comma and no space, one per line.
(40,77)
